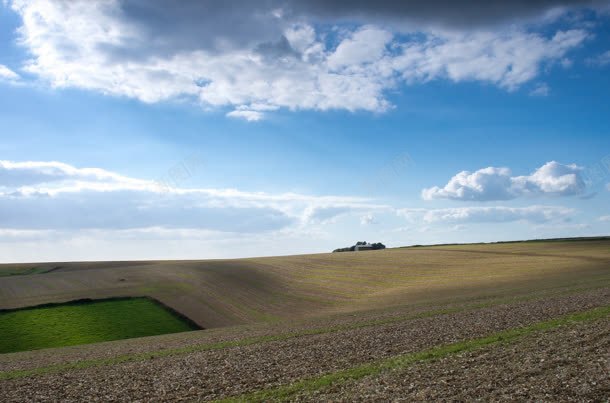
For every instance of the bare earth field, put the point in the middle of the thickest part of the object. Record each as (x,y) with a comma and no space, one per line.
(526,321)
(570,363)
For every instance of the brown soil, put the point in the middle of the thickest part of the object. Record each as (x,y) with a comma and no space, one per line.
(232,371)
(571,363)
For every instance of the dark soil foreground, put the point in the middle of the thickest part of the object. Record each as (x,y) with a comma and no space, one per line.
(561,363)
(571,363)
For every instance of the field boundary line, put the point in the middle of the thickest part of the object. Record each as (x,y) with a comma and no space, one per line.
(405,360)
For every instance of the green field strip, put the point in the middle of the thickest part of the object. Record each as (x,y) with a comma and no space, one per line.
(405,360)
(13,374)
(86,321)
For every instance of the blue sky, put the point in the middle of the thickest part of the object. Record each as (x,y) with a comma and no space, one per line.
(127,134)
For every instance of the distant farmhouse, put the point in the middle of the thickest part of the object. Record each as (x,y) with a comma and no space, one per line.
(367,246)
(361,246)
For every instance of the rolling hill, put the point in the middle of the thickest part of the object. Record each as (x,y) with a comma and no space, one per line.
(526,321)
(216,293)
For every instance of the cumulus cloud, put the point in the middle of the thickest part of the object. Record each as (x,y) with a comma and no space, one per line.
(553,179)
(251,57)
(485,184)
(495,214)
(44,195)
(604,218)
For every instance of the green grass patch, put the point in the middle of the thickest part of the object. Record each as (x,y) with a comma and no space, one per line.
(86,321)
(405,360)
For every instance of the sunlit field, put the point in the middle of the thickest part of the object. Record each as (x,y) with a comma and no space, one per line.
(85,322)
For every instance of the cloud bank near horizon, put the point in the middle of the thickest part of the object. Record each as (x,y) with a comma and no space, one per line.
(52,205)
(51,195)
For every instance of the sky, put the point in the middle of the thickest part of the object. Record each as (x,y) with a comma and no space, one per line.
(149,129)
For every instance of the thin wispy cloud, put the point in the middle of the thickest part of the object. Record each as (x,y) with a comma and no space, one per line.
(540,90)
(7,74)
(54,195)
(600,60)
(494,214)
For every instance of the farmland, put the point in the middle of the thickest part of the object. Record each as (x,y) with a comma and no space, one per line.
(417,323)
(85,321)
(217,293)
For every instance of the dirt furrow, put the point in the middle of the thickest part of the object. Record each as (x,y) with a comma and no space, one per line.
(220,373)
(571,363)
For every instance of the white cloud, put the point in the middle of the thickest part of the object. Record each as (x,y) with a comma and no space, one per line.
(367,45)
(491,183)
(507,59)
(26,173)
(56,211)
(604,218)
(7,74)
(600,60)
(302,38)
(485,184)
(541,90)
(44,195)
(495,214)
(552,178)
(250,116)
(96,46)
(324,213)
